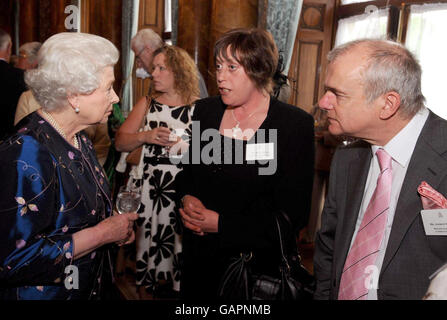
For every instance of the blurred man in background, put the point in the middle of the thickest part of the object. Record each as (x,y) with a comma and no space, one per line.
(28,55)
(12,85)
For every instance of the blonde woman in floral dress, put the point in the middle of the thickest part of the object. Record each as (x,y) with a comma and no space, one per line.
(166,117)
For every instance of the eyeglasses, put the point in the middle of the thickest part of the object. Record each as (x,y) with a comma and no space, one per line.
(137,57)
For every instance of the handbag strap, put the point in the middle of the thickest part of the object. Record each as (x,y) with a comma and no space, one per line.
(281,241)
(148,104)
(281,244)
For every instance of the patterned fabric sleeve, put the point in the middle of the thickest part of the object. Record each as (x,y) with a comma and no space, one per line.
(32,252)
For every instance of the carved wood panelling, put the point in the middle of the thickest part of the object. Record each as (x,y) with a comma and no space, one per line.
(40,19)
(313,16)
(51,18)
(262,13)
(312,43)
(85,16)
(149,13)
(309,75)
(104,19)
(152,15)
(7,16)
(193,31)
(29,29)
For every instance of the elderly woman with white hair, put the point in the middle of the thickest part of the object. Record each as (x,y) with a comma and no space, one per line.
(57,225)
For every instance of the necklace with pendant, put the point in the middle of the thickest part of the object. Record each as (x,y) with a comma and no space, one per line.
(236,128)
(56,126)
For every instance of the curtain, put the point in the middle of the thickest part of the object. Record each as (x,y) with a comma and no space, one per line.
(174,21)
(367,25)
(130,28)
(426,29)
(282,22)
(16,31)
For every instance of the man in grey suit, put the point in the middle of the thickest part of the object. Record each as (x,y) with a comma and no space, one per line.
(373,93)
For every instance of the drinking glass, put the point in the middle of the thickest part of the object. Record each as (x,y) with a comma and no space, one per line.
(128,199)
(172,137)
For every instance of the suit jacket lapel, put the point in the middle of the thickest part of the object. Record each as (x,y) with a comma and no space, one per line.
(426,164)
(357,173)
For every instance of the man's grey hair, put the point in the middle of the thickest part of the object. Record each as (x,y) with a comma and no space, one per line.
(30,49)
(146,37)
(5,39)
(69,64)
(390,67)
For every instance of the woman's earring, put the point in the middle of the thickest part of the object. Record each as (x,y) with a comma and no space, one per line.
(77,110)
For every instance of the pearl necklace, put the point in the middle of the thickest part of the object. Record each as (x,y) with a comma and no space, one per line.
(59,129)
(236,129)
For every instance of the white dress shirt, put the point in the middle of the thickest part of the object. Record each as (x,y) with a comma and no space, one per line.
(400,148)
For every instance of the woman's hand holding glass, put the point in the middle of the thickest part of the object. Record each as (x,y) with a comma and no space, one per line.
(118,228)
(159,136)
(166,137)
(127,203)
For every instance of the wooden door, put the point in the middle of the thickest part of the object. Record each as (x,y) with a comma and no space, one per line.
(313,42)
(151,16)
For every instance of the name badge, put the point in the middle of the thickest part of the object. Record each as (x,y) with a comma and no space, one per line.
(435,222)
(260,151)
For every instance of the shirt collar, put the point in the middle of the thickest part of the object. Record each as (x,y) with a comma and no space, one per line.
(401,146)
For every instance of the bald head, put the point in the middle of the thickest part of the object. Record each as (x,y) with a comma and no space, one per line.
(146,38)
(388,66)
(28,55)
(143,44)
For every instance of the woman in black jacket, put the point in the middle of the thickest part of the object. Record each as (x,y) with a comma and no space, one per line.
(255,158)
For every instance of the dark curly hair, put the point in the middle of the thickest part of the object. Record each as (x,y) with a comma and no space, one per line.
(279,78)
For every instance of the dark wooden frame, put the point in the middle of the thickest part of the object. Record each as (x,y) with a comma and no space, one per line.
(398,15)
(347,10)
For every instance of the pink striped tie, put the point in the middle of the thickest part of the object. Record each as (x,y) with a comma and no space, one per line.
(354,284)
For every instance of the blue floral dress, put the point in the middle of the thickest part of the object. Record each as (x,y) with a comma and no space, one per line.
(49,191)
(158,237)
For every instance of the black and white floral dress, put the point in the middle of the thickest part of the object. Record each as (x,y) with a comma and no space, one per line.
(158,236)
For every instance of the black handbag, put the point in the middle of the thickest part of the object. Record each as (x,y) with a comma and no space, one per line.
(294,281)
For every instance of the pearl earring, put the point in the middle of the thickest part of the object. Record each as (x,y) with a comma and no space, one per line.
(77,110)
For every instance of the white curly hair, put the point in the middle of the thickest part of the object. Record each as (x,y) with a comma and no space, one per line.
(69,64)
